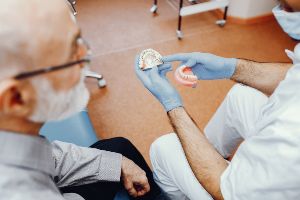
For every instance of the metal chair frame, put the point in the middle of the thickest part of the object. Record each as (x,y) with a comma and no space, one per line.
(179,32)
(89,74)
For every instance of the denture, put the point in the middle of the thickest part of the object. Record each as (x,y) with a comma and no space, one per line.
(184,75)
(149,58)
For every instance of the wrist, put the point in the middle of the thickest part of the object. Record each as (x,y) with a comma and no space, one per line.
(237,71)
(230,66)
(175,110)
(173,104)
(123,165)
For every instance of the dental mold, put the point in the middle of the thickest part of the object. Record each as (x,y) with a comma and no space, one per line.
(149,58)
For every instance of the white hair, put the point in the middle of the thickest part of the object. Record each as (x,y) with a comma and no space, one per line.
(23,24)
(33,33)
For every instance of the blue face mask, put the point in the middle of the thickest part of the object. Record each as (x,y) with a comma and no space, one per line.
(289,21)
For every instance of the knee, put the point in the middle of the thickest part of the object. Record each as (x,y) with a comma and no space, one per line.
(238,96)
(124,144)
(123,141)
(162,147)
(241,95)
(235,92)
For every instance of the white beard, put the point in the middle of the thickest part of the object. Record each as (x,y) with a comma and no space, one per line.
(55,106)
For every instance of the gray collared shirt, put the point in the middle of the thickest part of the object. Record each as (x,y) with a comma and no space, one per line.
(33,168)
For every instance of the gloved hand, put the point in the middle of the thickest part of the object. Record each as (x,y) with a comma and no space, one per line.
(204,65)
(156,82)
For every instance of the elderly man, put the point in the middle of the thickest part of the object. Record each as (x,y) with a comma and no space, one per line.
(35,34)
(261,114)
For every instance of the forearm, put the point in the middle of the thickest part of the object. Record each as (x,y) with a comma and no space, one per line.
(261,76)
(206,163)
(76,165)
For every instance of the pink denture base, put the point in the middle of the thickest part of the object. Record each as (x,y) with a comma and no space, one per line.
(189,78)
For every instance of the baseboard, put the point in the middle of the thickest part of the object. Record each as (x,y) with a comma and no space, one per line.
(252,20)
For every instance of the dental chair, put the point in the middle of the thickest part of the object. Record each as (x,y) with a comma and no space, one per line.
(77,129)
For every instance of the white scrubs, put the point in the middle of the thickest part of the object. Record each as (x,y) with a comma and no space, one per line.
(266,165)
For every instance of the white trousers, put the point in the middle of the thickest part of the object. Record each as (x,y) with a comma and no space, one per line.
(232,122)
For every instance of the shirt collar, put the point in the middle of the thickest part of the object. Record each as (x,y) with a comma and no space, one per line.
(31,152)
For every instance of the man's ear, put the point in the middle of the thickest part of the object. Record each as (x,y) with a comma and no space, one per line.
(17,99)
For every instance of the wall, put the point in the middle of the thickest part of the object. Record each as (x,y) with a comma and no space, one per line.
(250,8)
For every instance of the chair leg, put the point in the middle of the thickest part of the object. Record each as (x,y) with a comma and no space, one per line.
(222,22)
(72,6)
(99,77)
(154,7)
(179,32)
(225,13)
(193,1)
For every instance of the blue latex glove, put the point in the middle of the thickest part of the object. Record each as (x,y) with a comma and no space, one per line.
(206,66)
(156,82)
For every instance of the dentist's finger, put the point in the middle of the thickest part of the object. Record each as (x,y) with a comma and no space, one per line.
(166,69)
(154,74)
(176,57)
(191,62)
(164,66)
(137,68)
(142,75)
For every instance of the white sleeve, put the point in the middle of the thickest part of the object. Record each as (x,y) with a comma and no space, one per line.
(266,166)
(76,165)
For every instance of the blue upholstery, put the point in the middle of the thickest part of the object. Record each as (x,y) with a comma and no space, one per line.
(77,130)
(122,195)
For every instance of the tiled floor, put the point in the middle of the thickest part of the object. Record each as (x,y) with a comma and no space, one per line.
(117,30)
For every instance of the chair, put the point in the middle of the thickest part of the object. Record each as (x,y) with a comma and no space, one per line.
(72,6)
(99,77)
(89,74)
(196,8)
(76,129)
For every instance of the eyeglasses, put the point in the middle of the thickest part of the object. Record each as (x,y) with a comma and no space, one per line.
(81,47)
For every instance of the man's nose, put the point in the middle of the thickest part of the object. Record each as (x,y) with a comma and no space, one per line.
(83,48)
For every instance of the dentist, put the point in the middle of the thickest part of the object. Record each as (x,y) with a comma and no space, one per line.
(258,122)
